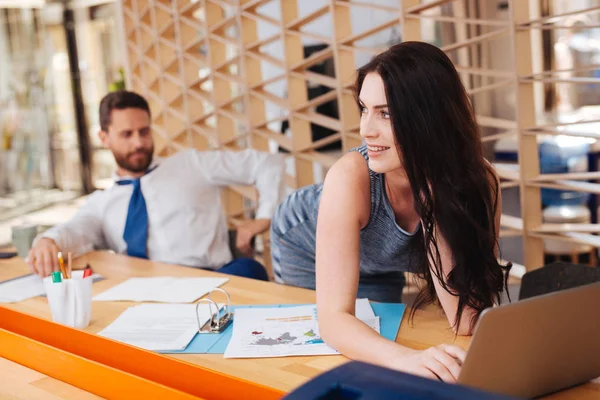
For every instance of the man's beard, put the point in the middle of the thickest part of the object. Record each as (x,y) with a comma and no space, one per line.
(135,167)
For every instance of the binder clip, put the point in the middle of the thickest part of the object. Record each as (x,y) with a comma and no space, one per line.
(216,323)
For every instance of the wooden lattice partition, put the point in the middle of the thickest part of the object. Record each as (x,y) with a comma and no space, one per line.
(524,22)
(227,73)
(215,79)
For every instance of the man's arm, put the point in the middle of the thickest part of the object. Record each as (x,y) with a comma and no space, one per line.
(81,234)
(247,167)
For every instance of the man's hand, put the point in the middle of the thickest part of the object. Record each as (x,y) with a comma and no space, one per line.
(247,231)
(43,257)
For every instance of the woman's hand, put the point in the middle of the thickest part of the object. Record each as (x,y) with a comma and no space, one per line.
(441,362)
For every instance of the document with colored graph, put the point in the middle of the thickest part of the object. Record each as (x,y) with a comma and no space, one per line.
(281,332)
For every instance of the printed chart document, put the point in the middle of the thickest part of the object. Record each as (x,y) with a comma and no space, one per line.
(25,287)
(161,289)
(157,326)
(288,331)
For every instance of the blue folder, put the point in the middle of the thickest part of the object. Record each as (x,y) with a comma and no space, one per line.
(390,316)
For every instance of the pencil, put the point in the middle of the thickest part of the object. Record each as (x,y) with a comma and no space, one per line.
(69,264)
(61,263)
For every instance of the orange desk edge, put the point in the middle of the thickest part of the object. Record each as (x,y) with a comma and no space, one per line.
(108,368)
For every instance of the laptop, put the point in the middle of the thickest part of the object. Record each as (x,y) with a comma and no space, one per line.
(536,346)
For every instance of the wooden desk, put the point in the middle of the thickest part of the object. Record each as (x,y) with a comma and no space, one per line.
(430,326)
(19,382)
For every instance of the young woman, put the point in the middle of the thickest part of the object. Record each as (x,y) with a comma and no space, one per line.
(419,197)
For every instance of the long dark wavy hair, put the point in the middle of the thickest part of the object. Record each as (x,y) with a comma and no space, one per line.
(455,192)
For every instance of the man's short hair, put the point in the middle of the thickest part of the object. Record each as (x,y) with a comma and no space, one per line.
(120,100)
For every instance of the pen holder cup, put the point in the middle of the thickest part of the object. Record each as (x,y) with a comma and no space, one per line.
(70,300)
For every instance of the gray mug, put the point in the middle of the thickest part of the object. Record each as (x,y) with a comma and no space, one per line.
(22,238)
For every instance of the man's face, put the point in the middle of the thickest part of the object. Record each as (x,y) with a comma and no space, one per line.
(130,139)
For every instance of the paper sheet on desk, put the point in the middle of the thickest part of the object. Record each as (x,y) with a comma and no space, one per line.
(161,289)
(25,287)
(390,317)
(157,327)
(281,332)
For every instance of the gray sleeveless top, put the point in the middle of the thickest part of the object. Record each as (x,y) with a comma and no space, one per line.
(386,250)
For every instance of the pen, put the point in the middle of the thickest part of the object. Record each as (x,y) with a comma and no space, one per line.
(56,277)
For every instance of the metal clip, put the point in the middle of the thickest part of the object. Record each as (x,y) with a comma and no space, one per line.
(216,323)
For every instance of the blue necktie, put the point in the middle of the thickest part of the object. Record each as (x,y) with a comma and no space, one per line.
(136,225)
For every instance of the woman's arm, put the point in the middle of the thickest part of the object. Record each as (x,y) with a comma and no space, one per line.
(344,209)
(448,301)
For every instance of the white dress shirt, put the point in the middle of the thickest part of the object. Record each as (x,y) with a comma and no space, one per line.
(186,222)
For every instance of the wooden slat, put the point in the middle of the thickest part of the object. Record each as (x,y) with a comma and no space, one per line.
(325,141)
(261,18)
(319,119)
(281,139)
(308,35)
(571,237)
(562,124)
(362,49)
(229,113)
(254,4)
(317,101)
(427,6)
(562,228)
(476,39)
(568,185)
(370,6)
(590,67)
(491,86)
(504,233)
(264,42)
(485,72)
(514,223)
(501,135)
(556,132)
(317,78)
(224,23)
(496,122)
(509,184)
(265,123)
(507,171)
(229,102)
(223,39)
(318,13)
(549,19)
(459,20)
(571,176)
(557,27)
(268,81)
(265,95)
(317,157)
(266,57)
(369,32)
(314,58)
(574,80)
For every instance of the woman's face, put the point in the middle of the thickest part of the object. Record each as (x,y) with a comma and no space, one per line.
(376,127)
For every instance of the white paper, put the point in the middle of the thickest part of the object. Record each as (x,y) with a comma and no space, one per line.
(21,288)
(363,309)
(158,327)
(161,289)
(281,332)
(25,287)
